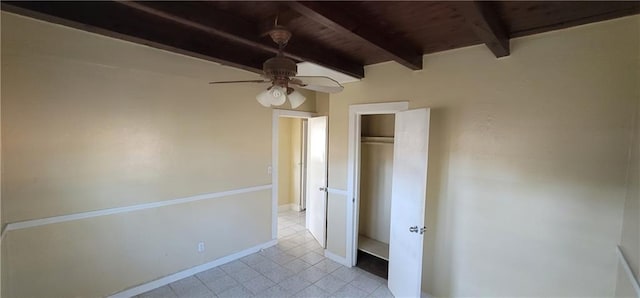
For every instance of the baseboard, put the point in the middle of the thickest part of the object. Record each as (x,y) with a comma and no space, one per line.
(285,207)
(336,258)
(191,271)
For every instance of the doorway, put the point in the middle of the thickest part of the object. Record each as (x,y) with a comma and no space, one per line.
(299,142)
(356,112)
(374,216)
(408,193)
(291,164)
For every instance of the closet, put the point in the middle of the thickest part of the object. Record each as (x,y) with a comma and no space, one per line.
(376,165)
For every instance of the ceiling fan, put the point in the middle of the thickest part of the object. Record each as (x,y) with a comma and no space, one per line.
(281,72)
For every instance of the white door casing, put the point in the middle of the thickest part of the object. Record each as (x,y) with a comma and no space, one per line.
(408,200)
(317,178)
(353,169)
(273,168)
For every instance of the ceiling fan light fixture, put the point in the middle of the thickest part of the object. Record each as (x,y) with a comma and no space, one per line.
(296,99)
(264,98)
(278,95)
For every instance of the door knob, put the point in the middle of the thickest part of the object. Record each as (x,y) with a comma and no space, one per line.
(323,189)
(415,229)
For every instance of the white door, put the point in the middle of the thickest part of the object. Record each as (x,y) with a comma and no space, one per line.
(408,198)
(317,177)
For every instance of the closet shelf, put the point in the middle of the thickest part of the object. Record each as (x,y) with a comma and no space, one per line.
(373,247)
(385,140)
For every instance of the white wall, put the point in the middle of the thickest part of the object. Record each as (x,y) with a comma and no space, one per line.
(528,160)
(91,123)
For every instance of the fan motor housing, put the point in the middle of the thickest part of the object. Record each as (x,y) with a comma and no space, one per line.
(280,67)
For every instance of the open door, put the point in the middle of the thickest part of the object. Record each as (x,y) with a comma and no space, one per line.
(317,178)
(408,198)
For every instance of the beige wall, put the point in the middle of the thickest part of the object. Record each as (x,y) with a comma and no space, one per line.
(89,123)
(103,255)
(84,113)
(336,223)
(376,168)
(322,104)
(296,161)
(284,161)
(528,160)
(630,240)
(289,160)
(381,125)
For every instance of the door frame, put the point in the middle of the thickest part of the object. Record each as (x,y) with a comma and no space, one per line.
(304,138)
(353,170)
(275,134)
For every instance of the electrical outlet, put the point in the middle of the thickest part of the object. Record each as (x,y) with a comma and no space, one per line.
(201,246)
(269,170)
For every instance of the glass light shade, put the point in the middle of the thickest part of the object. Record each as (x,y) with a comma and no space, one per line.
(264,98)
(296,99)
(278,95)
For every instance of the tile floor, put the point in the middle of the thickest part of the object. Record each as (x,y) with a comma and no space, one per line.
(296,267)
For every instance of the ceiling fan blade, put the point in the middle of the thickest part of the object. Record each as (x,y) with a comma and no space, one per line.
(317,83)
(325,89)
(242,81)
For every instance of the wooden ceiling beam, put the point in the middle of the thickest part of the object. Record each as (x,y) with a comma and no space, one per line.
(486,24)
(117,21)
(401,51)
(243,32)
(618,10)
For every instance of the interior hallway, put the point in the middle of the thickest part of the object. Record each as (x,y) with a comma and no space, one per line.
(296,267)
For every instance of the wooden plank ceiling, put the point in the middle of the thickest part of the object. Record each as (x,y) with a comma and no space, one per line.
(343,36)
